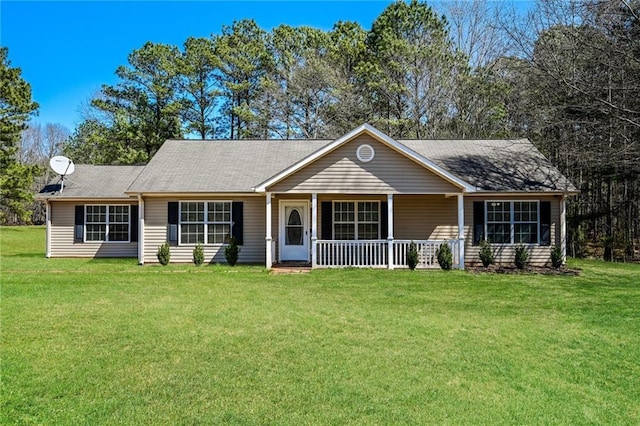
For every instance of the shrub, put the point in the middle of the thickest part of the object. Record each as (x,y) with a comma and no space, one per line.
(522,256)
(412,256)
(198,254)
(232,251)
(164,253)
(556,256)
(445,257)
(486,254)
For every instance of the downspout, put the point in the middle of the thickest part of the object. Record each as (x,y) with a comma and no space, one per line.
(48,233)
(140,230)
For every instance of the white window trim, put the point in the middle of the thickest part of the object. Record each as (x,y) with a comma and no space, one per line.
(205,223)
(355,217)
(512,221)
(106,235)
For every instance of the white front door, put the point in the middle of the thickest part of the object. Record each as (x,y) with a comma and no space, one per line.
(294,231)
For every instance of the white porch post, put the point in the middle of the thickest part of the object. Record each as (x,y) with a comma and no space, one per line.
(140,220)
(314,229)
(563,228)
(268,239)
(461,230)
(390,230)
(48,237)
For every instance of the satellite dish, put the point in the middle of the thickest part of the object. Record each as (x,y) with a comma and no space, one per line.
(62,165)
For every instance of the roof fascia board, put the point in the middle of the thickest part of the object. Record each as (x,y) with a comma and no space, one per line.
(195,194)
(378,135)
(521,193)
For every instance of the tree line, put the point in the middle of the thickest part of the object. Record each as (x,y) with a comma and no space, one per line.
(565,74)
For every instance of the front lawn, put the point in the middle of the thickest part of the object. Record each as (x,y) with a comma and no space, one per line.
(107,341)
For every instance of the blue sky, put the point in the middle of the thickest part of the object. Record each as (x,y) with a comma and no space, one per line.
(67,50)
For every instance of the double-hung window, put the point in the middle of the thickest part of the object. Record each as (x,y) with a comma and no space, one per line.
(512,222)
(356,220)
(205,222)
(107,223)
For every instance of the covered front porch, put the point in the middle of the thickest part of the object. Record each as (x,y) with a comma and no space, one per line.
(363,231)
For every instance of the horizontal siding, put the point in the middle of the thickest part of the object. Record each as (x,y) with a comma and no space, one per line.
(340,171)
(62,232)
(155,232)
(505,253)
(420,217)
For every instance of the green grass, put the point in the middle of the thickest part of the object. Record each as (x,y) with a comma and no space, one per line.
(108,342)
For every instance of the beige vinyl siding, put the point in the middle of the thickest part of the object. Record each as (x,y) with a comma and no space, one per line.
(252,250)
(505,253)
(421,217)
(340,171)
(62,233)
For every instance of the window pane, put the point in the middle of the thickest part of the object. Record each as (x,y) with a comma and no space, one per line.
(498,211)
(118,214)
(192,212)
(219,212)
(118,232)
(96,232)
(367,231)
(499,233)
(526,233)
(218,233)
(344,212)
(96,214)
(192,233)
(344,231)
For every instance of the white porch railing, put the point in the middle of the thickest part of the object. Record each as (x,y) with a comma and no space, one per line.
(373,253)
(341,253)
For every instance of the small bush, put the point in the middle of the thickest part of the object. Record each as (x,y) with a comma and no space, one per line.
(164,253)
(522,256)
(556,256)
(198,255)
(232,251)
(412,256)
(486,253)
(445,257)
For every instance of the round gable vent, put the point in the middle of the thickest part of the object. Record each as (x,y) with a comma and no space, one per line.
(365,153)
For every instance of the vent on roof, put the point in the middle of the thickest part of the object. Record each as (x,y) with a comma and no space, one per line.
(365,153)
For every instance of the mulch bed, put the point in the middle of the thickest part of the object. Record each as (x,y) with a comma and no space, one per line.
(539,270)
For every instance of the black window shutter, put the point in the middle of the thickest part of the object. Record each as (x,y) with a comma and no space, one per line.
(545,223)
(172,223)
(133,220)
(384,220)
(78,233)
(327,219)
(237,214)
(478,222)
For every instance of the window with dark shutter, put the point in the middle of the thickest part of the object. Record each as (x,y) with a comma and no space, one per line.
(133,220)
(172,223)
(545,223)
(237,217)
(78,233)
(326,208)
(384,220)
(478,222)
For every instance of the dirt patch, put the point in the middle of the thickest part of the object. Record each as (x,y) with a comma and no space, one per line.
(539,270)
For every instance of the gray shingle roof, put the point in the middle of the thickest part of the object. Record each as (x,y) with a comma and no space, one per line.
(236,166)
(494,165)
(219,165)
(93,182)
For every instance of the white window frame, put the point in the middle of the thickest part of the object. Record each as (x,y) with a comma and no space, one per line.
(205,223)
(512,222)
(107,223)
(355,222)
